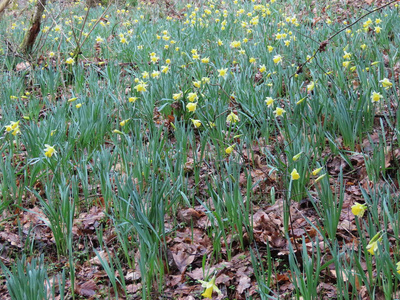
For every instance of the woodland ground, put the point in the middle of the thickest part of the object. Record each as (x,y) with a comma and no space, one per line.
(253,142)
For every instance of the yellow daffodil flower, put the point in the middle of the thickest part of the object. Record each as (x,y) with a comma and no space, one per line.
(229,149)
(192,97)
(49,151)
(132,99)
(375,96)
(372,246)
(141,87)
(279,111)
(310,86)
(297,156)
(196,123)
(191,107)
(269,101)
(223,72)
(358,209)
(295,175)
(177,96)
(232,118)
(316,171)
(210,288)
(123,123)
(277,59)
(319,178)
(386,83)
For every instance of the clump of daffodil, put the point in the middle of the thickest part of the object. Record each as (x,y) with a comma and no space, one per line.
(358,209)
(295,175)
(375,96)
(232,118)
(49,151)
(386,83)
(13,127)
(210,288)
(372,246)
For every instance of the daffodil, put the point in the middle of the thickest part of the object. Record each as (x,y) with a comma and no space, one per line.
(232,118)
(358,209)
(375,96)
(192,97)
(295,175)
(197,83)
(229,149)
(316,171)
(49,151)
(297,156)
(70,61)
(262,69)
(132,99)
(269,101)
(277,59)
(177,96)
(191,106)
(279,111)
(210,288)
(310,86)
(235,44)
(123,123)
(386,83)
(165,69)
(347,55)
(141,87)
(320,177)
(346,63)
(196,123)
(398,267)
(372,246)
(223,72)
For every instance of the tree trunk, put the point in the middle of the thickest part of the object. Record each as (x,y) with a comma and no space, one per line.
(3,5)
(31,35)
